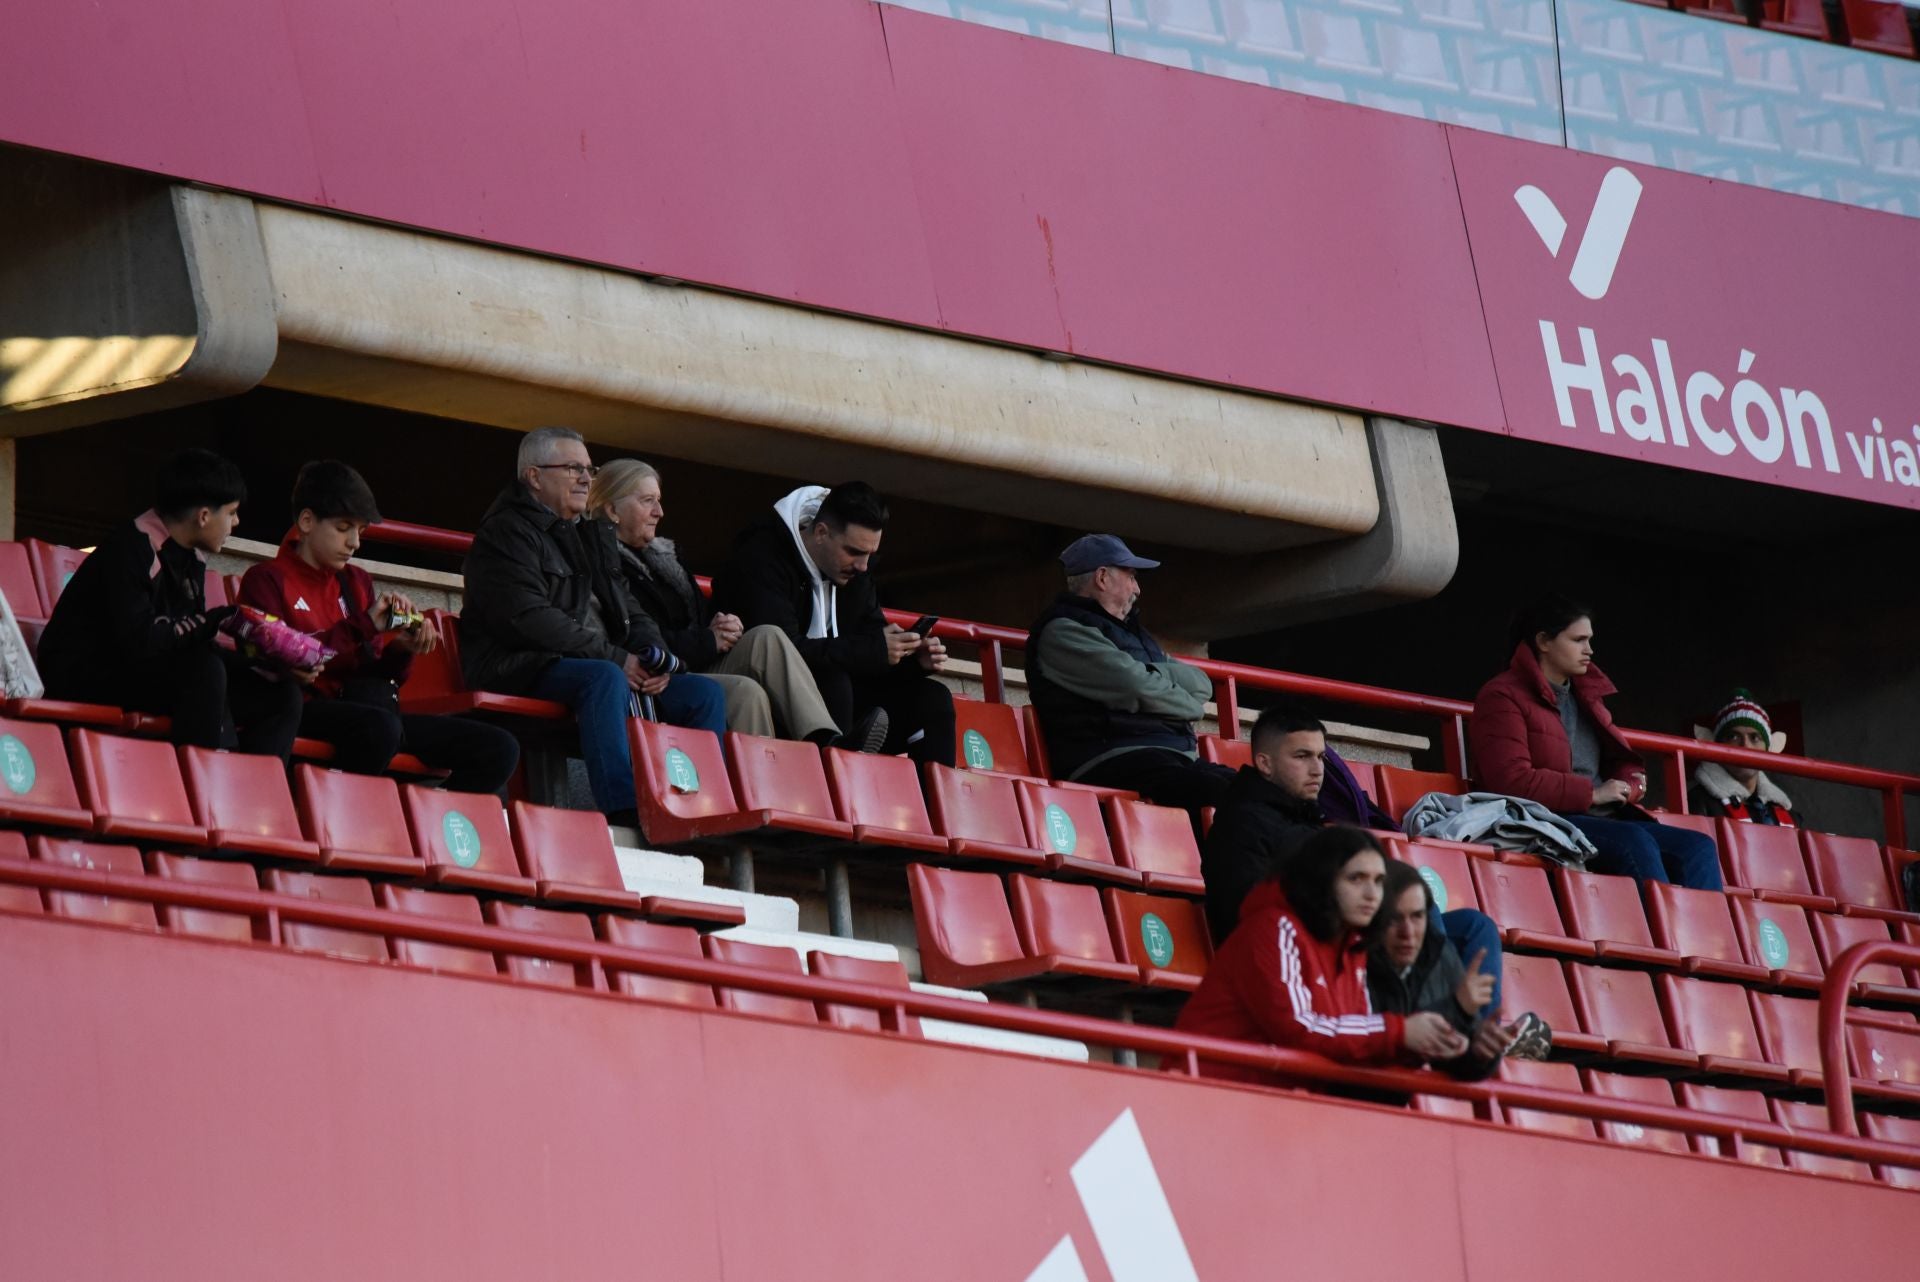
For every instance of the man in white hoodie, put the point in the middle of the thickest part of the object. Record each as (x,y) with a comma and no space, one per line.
(803,567)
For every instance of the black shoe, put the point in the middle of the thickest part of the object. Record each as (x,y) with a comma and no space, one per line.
(869,733)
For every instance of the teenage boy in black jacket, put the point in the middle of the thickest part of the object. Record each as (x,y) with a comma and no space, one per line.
(132,627)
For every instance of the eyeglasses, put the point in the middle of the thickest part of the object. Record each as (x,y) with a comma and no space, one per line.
(575,470)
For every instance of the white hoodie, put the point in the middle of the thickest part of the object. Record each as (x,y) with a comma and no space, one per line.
(797,511)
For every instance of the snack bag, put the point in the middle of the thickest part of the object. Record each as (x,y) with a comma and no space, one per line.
(263,636)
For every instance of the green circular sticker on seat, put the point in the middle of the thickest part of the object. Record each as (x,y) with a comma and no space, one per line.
(1156,938)
(1060,832)
(1438,887)
(682,776)
(16,765)
(1773,945)
(978,752)
(462,838)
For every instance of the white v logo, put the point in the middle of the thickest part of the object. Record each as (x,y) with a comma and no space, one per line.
(1128,1210)
(1605,236)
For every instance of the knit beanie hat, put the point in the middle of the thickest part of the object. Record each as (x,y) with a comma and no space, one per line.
(1745,710)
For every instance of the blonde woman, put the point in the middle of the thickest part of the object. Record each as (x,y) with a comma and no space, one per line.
(769,690)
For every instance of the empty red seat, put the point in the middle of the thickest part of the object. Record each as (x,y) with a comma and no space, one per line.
(1520,901)
(53,565)
(966,931)
(208,923)
(535,969)
(1722,1101)
(1447,870)
(244,801)
(36,787)
(1067,825)
(1888,1054)
(1789,1030)
(1539,984)
(1849,870)
(859,970)
(1556,1077)
(653,936)
(1165,938)
(1226,752)
(464,840)
(1834,934)
(1445,1106)
(1775,936)
(880,797)
(1705,825)
(751,1001)
(1400,788)
(1644,1090)
(1698,925)
(14,897)
(464,909)
(1620,1006)
(16,582)
(1763,858)
(435,683)
(1812,1119)
(1066,923)
(1880,25)
(785,779)
(121,861)
(356,819)
(352,892)
(980,817)
(990,736)
(1607,912)
(133,788)
(685,792)
(569,855)
(1895,1130)
(1156,842)
(1714,1021)
(1804,18)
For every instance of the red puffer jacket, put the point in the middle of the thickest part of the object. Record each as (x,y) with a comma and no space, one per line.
(1520,745)
(1274,982)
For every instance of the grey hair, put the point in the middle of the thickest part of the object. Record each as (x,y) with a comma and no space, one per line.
(616,480)
(537,447)
(1077,583)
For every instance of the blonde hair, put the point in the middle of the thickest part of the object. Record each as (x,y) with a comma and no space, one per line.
(615,481)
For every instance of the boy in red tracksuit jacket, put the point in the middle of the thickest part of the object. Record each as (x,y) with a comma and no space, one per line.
(1294,971)
(353,699)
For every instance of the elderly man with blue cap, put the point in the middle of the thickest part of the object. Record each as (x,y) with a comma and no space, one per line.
(1115,710)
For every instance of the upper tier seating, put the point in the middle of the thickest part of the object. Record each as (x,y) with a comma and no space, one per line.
(355,892)
(435,956)
(464,841)
(39,789)
(356,820)
(121,861)
(245,803)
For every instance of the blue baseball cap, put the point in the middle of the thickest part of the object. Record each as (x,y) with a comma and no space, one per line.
(1089,552)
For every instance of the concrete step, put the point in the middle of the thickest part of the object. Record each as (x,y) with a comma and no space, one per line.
(993,1039)
(657,865)
(806,941)
(764,912)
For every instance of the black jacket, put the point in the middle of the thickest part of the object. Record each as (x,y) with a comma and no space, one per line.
(1429,985)
(531,576)
(765,580)
(1256,826)
(1079,729)
(138,599)
(663,588)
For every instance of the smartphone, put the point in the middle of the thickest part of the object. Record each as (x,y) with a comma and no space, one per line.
(925,624)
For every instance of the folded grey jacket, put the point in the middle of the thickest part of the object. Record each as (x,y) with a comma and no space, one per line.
(1505,823)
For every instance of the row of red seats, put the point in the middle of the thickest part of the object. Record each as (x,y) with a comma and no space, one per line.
(1879,25)
(149,791)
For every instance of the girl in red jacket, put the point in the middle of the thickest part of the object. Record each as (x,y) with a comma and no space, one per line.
(1294,971)
(1540,731)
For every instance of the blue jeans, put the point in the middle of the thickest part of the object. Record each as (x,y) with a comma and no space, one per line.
(1652,852)
(601,700)
(1469,930)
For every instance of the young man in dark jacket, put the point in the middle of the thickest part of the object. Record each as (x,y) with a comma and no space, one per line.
(132,627)
(804,568)
(546,616)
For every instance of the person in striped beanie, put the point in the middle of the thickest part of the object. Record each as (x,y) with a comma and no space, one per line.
(1741,792)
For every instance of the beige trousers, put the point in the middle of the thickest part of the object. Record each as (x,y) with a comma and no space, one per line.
(769,690)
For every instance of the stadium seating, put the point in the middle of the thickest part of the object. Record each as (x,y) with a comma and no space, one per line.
(1813,1117)
(569,855)
(1886,1051)
(762,957)
(121,861)
(1880,25)
(1834,934)
(785,780)
(1775,937)
(134,789)
(1066,922)
(1766,859)
(1895,1130)
(546,921)
(1698,925)
(1804,18)
(1644,1090)
(859,970)
(1789,1031)
(879,797)
(1539,984)
(17,583)
(1447,870)
(1166,939)
(968,938)
(1226,752)
(434,956)
(1850,870)
(685,791)
(980,817)
(207,923)
(1066,824)
(683,941)
(352,892)
(990,736)
(1607,912)
(243,801)
(463,841)
(1399,788)
(16,898)
(356,820)
(1558,1077)
(1715,1022)
(1728,1102)
(53,565)
(1520,901)
(1156,842)
(1620,1006)
(435,684)
(36,786)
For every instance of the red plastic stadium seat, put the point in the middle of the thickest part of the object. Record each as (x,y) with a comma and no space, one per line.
(1763,858)
(1557,1077)
(357,821)
(53,565)
(1165,938)
(1698,925)
(1445,1106)
(1447,870)
(761,957)
(355,892)
(464,840)
(1226,752)
(1812,1118)
(1724,1102)
(785,778)
(122,861)
(980,817)
(1520,901)
(1057,920)
(1834,934)
(36,787)
(1399,788)
(208,923)
(966,932)
(1714,1021)
(1705,825)
(681,778)
(880,797)
(1607,911)
(569,855)
(1887,1054)
(1851,870)
(1880,25)
(1619,1005)
(16,898)
(990,736)
(435,684)
(133,788)
(1803,18)
(1539,984)
(1036,741)
(859,970)
(1645,1090)
(1367,775)
(546,921)
(681,941)
(16,582)
(1156,842)
(1789,1029)
(1067,824)
(1896,1130)
(1775,937)
(244,801)
(434,956)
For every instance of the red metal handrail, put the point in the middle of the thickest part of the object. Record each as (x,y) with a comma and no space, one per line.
(993,640)
(894,1005)
(1835,991)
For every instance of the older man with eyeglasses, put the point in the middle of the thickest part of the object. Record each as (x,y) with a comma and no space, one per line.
(547,616)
